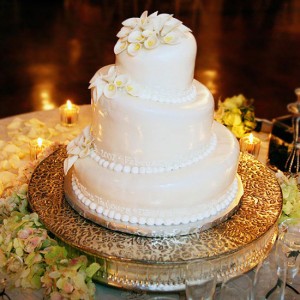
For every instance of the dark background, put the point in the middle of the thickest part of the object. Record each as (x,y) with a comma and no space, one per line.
(51,49)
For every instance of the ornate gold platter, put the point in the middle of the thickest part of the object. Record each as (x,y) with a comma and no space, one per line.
(159,264)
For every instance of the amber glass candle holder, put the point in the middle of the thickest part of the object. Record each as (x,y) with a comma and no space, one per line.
(69,114)
(36,147)
(250,144)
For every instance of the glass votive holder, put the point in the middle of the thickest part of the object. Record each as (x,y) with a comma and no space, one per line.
(250,144)
(36,147)
(200,281)
(69,113)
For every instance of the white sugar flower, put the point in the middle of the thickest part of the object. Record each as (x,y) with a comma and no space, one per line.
(120,46)
(121,80)
(136,37)
(171,38)
(124,32)
(170,25)
(110,90)
(97,86)
(134,48)
(80,147)
(151,42)
(149,32)
(131,22)
(132,89)
(109,84)
(111,74)
(143,20)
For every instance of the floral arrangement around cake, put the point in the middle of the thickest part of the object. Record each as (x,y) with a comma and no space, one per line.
(291,196)
(237,114)
(29,257)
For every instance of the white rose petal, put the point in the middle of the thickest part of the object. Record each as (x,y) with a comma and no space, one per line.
(7,178)
(15,124)
(11,148)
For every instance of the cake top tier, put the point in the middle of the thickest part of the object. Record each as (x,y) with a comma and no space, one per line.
(158,53)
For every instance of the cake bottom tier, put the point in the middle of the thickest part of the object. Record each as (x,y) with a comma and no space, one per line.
(148,204)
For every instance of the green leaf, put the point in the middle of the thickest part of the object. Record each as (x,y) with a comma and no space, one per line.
(92,269)
(55,254)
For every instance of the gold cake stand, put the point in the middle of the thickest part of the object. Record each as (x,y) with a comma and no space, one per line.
(159,264)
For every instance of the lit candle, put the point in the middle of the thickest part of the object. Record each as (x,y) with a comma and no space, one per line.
(69,113)
(37,147)
(250,144)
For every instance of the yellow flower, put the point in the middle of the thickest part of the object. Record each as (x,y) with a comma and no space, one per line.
(234,102)
(249,125)
(238,130)
(236,113)
(232,118)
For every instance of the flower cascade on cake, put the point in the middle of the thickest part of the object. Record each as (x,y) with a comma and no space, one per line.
(153,161)
(80,147)
(111,83)
(149,32)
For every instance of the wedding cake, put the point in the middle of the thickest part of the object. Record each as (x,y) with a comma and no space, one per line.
(153,161)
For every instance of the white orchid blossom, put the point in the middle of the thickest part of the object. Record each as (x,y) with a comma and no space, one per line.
(149,32)
(80,147)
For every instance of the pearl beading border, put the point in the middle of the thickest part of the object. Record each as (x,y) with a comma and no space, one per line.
(212,209)
(188,96)
(117,167)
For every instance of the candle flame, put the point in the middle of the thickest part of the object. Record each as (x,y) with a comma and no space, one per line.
(40,142)
(251,138)
(69,104)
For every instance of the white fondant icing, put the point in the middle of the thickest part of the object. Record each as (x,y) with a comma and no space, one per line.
(167,69)
(155,169)
(209,190)
(147,132)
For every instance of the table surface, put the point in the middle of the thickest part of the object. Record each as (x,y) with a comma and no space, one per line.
(51,119)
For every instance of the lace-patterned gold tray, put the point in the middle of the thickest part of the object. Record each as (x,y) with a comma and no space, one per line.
(158,264)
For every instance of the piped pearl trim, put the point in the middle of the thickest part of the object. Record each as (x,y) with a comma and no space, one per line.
(112,213)
(117,167)
(163,97)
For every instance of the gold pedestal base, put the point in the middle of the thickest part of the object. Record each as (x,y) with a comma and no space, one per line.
(158,264)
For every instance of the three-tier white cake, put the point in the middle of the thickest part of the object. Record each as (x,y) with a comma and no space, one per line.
(153,156)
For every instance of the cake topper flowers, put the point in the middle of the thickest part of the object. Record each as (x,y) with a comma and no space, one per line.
(149,32)
(108,84)
(80,147)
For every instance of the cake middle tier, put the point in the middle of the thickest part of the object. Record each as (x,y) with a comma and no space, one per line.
(196,192)
(133,132)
